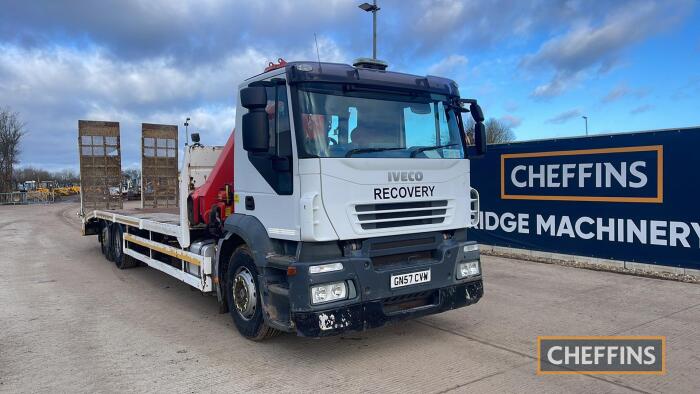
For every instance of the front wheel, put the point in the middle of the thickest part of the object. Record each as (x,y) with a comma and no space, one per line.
(243,296)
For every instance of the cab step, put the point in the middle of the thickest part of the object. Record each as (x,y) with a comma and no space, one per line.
(280,261)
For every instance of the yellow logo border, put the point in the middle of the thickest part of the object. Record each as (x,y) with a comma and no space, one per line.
(660,175)
(603,337)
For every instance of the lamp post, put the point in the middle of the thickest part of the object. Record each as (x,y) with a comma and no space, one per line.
(187,132)
(585,118)
(373,9)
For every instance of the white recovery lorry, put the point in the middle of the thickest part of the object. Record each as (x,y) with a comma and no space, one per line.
(340,202)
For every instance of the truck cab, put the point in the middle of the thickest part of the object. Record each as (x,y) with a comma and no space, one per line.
(351,201)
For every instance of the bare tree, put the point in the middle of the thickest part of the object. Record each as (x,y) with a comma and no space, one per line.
(469,129)
(11,132)
(66,177)
(32,174)
(497,132)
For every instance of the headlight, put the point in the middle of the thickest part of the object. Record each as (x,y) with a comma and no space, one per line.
(320,294)
(468,268)
(319,269)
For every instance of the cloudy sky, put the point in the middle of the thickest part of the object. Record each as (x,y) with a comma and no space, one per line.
(539,65)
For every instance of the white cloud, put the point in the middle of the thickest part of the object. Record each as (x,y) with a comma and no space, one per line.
(511,106)
(54,87)
(565,116)
(616,93)
(511,120)
(62,74)
(441,15)
(449,65)
(560,83)
(642,108)
(622,90)
(213,123)
(587,46)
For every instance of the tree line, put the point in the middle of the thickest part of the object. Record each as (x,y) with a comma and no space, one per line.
(63,177)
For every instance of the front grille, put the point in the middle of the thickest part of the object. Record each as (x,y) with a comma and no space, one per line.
(402,243)
(403,258)
(410,301)
(401,214)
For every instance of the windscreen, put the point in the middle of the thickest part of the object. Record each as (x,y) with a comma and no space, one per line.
(339,122)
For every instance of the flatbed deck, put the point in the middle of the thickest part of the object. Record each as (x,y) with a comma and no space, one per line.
(134,208)
(161,215)
(162,220)
(191,268)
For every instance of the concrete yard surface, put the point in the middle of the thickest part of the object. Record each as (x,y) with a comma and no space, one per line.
(70,321)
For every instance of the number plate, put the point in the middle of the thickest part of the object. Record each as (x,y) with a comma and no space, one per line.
(412,278)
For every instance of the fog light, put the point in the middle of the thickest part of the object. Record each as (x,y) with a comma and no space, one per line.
(470,248)
(328,292)
(466,269)
(319,269)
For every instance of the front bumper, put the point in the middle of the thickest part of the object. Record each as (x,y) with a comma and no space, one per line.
(357,317)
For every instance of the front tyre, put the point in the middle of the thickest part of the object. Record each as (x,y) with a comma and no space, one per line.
(243,296)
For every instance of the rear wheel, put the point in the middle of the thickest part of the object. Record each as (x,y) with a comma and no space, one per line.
(106,242)
(243,296)
(121,260)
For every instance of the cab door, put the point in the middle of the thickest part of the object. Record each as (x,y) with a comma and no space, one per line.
(266,183)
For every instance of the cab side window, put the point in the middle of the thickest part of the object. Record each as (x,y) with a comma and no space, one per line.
(275,165)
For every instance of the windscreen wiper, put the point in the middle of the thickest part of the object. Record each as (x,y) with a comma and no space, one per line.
(365,150)
(416,151)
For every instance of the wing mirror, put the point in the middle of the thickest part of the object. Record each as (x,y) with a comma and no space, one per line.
(477,113)
(480,138)
(479,128)
(256,133)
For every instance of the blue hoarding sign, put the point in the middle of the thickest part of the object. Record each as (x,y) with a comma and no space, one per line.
(630,197)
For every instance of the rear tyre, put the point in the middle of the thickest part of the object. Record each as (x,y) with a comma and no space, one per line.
(106,242)
(243,296)
(121,260)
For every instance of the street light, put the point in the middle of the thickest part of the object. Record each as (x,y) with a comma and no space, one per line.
(585,118)
(187,132)
(373,9)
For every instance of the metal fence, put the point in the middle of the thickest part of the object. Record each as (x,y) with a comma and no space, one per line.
(23,198)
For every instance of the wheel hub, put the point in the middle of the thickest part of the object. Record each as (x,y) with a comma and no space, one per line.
(244,293)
